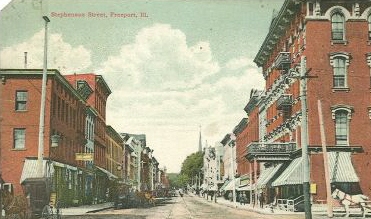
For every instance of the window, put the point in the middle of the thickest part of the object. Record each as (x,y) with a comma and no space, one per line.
(340,62)
(21,100)
(338,26)
(368,59)
(341,127)
(339,72)
(19,138)
(342,114)
(369,27)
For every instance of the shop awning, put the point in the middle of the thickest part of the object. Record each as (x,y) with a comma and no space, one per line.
(341,170)
(62,165)
(229,187)
(267,175)
(224,185)
(292,175)
(30,169)
(244,180)
(245,188)
(109,174)
(341,167)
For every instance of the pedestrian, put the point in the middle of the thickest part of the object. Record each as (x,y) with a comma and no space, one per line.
(230,196)
(181,192)
(261,200)
(243,198)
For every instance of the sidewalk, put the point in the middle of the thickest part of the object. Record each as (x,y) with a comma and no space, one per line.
(80,210)
(317,209)
(265,210)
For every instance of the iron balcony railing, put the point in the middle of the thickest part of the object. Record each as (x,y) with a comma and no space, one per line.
(284,101)
(272,148)
(282,61)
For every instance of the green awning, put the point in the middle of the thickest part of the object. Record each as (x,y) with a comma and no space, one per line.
(341,170)
(224,185)
(341,167)
(292,175)
(267,175)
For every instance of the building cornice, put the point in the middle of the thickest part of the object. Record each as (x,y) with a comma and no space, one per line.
(276,30)
(241,126)
(39,72)
(101,80)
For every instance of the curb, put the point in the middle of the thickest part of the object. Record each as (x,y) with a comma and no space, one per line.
(97,210)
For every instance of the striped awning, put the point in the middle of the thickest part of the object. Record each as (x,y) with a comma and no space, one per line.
(292,175)
(341,170)
(229,187)
(267,175)
(341,167)
(30,168)
(224,185)
(109,174)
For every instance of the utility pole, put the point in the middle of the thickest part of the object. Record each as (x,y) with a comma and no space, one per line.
(139,169)
(1,169)
(304,138)
(325,162)
(40,153)
(232,144)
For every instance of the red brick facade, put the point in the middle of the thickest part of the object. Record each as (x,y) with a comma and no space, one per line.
(310,29)
(97,100)
(64,115)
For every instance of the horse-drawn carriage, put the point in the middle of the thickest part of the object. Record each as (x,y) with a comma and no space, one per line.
(134,199)
(347,201)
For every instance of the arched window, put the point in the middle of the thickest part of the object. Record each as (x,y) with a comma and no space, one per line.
(338,26)
(369,27)
(341,127)
(340,62)
(342,114)
(339,72)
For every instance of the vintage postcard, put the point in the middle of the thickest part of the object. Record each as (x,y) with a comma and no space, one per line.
(179,108)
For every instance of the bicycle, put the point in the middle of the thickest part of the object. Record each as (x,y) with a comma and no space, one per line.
(51,211)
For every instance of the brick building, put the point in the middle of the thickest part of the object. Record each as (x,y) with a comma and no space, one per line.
(331,41)
(114,153)
(247,132)
(64,117)
(97,99)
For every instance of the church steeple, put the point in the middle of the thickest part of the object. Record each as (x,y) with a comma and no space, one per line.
(200,142)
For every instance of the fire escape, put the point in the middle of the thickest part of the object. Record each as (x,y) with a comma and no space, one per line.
(276,151)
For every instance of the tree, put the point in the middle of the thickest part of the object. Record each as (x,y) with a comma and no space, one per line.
(191,166)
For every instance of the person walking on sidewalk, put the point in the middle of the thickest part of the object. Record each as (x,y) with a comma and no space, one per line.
(261,200)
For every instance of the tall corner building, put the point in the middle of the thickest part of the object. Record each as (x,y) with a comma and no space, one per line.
(320,50)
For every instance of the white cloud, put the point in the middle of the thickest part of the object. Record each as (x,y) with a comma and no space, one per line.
(174,116)
(238,63)
(61,55)
(160,59)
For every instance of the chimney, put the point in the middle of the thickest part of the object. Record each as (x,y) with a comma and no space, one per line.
(25,60)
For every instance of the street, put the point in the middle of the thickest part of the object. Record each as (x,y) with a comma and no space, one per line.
(184,207)
(194,207)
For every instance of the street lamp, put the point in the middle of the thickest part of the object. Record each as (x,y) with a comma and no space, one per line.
(231,145)
(42,104)
(55,140)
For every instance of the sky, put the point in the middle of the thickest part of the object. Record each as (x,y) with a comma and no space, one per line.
(175,67)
